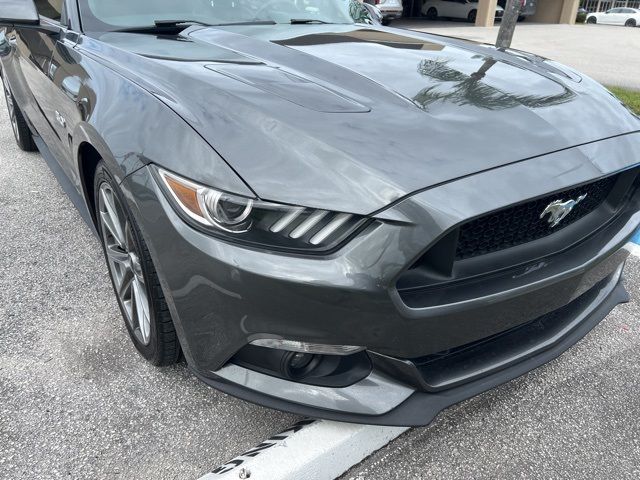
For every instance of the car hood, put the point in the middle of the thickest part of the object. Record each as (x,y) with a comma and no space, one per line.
(352,118)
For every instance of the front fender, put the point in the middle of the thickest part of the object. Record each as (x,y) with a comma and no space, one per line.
(129,127)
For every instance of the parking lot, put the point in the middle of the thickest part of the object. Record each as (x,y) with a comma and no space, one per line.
(76,401)
(607,53)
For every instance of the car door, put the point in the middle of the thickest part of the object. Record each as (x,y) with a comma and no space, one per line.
(461,8)
(32,86)
(446,8)
(614,16)
(606,18)
(69,99)
(27,76)
(54,91)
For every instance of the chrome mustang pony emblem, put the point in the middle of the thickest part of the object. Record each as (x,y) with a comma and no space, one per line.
(559,210)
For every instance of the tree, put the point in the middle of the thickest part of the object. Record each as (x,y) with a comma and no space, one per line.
(508,23)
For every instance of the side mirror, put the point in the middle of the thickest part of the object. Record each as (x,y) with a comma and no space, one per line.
(22,14)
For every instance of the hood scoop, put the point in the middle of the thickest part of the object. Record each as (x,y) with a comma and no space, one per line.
(291,87)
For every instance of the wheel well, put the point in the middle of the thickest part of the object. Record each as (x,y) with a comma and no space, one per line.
(88,159)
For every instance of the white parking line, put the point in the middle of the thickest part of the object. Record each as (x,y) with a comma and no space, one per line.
(633,248)
(309,450)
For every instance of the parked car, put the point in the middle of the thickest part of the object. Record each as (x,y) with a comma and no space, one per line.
(527,8)
(460,9)
(629,17)
(227,156)
(390,9)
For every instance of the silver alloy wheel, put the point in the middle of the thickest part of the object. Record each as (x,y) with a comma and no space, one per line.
(12,108)
(124,264)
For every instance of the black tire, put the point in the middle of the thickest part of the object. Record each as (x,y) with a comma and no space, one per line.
(386,22)
(472,16)
(432,14)
(522,18)
(630,23)
(163,347)
(21,130)
(592,20)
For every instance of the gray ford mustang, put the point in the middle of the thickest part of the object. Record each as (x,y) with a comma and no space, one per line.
(324,215)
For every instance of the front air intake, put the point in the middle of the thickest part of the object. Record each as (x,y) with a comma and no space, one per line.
(522,223)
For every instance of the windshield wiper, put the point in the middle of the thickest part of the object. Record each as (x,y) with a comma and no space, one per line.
(163,26)
(176,26)
(299,21)
(178,23)
(252,22)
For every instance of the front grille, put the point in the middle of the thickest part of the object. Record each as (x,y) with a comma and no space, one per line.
(487,355)
(521,224)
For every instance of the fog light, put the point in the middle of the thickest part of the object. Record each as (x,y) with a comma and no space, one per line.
(304,347)
(298,365)
(300,360)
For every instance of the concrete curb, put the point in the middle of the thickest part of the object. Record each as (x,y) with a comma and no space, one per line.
(309,450)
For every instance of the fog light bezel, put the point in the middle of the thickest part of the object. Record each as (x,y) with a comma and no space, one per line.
(307,347)
(322,370)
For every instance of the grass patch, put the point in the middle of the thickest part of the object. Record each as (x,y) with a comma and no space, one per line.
(629,97)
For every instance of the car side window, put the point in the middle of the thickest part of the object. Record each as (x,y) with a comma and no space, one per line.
(50,8)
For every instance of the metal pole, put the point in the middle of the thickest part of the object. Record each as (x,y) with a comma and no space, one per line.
(508,23)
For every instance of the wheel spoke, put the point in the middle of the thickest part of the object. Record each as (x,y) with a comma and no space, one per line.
(115,254)
(11,108)
(9,104)
(113,230)
(111,218)
(125,290)
(141,310)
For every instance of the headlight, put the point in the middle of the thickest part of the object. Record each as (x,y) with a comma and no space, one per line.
(252,221)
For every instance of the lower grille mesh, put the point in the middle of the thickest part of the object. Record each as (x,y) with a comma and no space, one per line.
(522,223)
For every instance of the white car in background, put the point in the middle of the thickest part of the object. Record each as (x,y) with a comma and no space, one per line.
(391,9)
(463,9)
(629,17)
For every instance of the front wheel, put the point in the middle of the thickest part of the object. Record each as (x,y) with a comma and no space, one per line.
(630,23)
(592,20)
(133,275)
(21,130)
(432,14)
(472,16)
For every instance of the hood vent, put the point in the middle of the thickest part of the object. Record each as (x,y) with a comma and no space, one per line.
(291,87)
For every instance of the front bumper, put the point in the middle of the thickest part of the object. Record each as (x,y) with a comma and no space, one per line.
(223,296)
(380,400)
(391,13)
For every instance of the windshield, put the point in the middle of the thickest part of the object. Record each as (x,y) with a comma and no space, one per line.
(101,15)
